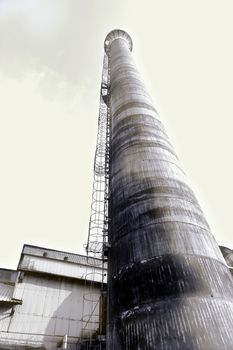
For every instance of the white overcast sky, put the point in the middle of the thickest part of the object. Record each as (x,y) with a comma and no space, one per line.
(50,68)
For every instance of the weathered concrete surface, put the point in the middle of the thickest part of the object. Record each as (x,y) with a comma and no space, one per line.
(169,286)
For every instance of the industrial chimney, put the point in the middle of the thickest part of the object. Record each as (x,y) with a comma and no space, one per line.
(168,285)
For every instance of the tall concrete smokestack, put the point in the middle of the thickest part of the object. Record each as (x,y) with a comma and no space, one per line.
(169,286)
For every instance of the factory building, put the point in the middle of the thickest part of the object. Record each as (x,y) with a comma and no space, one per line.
(42,302)
(169,286)
(47,301)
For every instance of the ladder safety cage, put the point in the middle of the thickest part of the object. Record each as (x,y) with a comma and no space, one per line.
(94,298)
(101,165)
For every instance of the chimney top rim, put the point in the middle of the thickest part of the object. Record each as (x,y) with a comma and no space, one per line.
(117,34)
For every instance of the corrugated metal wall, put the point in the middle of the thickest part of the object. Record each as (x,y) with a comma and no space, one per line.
(60,268)
(52,292)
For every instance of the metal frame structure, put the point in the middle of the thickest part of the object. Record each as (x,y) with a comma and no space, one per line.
(99,207)
(93,317)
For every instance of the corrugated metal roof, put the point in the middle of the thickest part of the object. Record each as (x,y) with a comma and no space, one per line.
(6,294)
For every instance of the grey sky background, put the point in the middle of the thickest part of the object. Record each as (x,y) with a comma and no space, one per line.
(51,55)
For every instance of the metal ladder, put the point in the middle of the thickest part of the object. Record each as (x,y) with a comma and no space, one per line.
(93,311)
